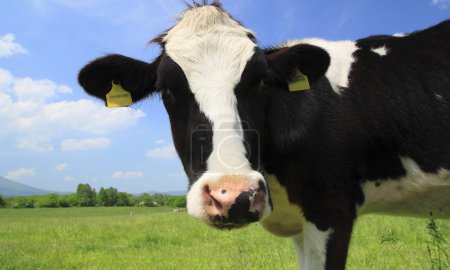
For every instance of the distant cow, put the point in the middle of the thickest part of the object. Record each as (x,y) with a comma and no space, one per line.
(302,137)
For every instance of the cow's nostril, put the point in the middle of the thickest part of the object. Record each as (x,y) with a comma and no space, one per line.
(223,191)
(210,198)
(217,204)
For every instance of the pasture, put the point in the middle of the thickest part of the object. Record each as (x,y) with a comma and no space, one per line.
(157,238)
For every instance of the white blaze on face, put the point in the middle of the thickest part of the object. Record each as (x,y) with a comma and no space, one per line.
(212,50)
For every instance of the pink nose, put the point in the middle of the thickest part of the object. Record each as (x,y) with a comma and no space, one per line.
(234,201)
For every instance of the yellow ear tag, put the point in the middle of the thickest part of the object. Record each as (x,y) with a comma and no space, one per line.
(299,82)
(118,97)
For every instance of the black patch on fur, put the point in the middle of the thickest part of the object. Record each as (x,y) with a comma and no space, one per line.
(311,60)
(239,212)
(320,145)
(137,77)
(251,105)
(191,130)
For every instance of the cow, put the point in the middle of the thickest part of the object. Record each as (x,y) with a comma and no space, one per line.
(303,137)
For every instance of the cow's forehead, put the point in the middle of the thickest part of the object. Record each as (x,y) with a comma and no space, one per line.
(211,48)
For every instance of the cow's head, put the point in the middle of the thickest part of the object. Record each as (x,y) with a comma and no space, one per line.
(215,83)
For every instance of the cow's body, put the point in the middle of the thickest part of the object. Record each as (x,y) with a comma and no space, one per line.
(371,135)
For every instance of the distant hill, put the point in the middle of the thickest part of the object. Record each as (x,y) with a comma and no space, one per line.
(176,193)
(171,193)
(10,188)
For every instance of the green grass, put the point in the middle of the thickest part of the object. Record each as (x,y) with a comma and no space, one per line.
(156,238)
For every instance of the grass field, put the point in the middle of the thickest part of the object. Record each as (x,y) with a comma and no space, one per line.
(156,238)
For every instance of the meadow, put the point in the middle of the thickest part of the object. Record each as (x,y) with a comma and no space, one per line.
(157,238)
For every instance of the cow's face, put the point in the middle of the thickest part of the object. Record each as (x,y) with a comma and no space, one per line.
(218,67)
(210,75)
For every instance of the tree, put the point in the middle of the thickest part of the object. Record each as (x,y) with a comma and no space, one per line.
(63,202)
(72,199)
(50,200)
(3,202)
(102,197)
(122,199)
(23,202)
(177,201)
(113,195)
(146,199)
(180,201)
(86,195)
(133,200)
(161,199)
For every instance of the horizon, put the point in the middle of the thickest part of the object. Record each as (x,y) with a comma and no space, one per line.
(54,136)
(33,191)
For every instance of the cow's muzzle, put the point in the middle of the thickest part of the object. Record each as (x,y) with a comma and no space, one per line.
(231,201)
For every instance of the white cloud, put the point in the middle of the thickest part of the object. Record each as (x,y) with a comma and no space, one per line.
(443,4)
(9,47)
(128,175)
(71,145)
(38,143)
(38,91)
(25,110)
(62,167)
(160,142)
(20,173)
(6,77)
(163,152)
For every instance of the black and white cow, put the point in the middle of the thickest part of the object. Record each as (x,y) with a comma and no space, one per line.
(370,135)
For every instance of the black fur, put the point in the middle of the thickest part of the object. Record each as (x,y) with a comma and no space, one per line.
(135,76)
(191,130)
(321,145)
(324,145)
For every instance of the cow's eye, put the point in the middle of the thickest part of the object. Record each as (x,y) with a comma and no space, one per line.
(167,94)
(167,91)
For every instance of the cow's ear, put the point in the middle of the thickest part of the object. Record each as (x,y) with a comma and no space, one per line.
(284,63)
(135,76)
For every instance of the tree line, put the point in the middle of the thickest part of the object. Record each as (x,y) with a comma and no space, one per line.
(86,196)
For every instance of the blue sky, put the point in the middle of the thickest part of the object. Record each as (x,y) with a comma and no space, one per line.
(53,136)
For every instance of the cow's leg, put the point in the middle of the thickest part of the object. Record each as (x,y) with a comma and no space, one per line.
(338,244)
(299,250)
(319,250)
(327,230)
(311,247)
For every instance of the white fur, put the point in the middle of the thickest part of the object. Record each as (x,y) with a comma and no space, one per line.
(382,51)
(299,250)
(400,35)
(341,56)
(315,246)
(212,50)
(417,194)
